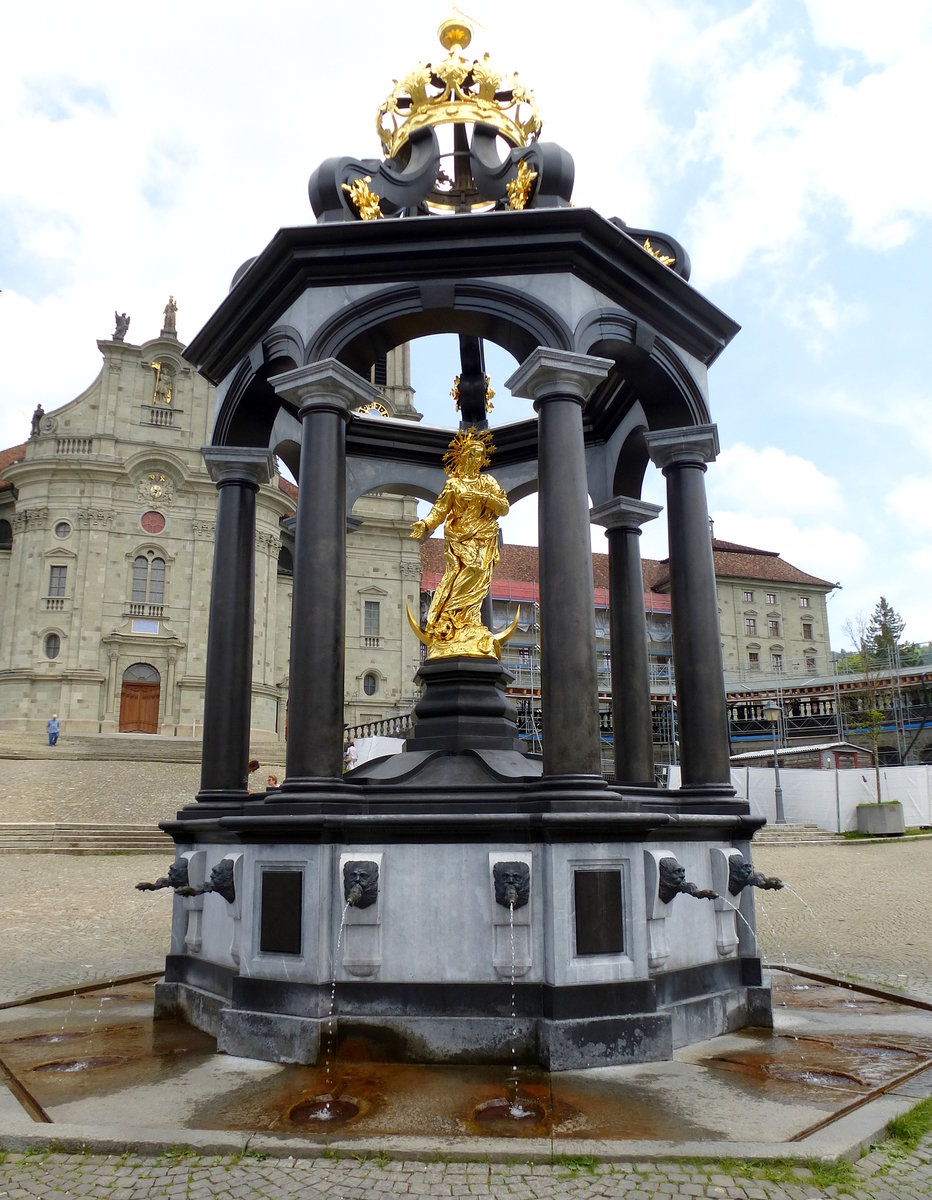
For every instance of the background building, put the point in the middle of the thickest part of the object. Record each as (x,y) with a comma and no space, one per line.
(106,549)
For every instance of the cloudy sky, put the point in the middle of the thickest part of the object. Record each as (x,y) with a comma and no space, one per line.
(148,150)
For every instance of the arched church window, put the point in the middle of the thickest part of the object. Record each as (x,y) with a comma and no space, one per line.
(6,535)
(285,561)
(148,579)
(141,673)
(52,645)
(370,683)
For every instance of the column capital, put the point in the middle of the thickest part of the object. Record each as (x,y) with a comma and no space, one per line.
(327,384)
(245,465)
(692,446)
(548,374)
(623,512)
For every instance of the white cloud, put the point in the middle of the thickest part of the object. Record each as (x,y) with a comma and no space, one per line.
(880,35)
(901,416)
(910,502)
(768,480)
(791,141)
(820,314)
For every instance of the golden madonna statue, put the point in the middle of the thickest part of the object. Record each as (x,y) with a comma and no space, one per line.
(468,507)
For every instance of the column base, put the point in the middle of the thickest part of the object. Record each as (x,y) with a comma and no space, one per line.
(225,796)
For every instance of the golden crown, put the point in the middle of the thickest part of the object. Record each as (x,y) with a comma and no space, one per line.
(461,443)
(457,91)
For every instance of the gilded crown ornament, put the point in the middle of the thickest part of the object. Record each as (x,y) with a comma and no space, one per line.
(497,161)
(457,91)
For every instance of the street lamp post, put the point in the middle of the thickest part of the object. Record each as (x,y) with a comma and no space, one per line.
(772,714)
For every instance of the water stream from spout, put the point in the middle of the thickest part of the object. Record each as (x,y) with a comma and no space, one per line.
(105,995)
(326,1113)
(818,924)
(740,915)
(516,1109)
(762,910)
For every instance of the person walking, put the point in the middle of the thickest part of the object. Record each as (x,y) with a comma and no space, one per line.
(350,757)
(52,729)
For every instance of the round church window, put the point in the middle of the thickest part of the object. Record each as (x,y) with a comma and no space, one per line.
(62,529)
(153,522)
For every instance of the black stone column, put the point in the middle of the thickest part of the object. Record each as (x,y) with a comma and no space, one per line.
(682,455)
(237,472)
(560,382)
(631,711)
(324,394)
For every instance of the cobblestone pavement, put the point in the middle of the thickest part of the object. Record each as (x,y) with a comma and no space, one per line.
(882,1175)
(68,921)
(861,910)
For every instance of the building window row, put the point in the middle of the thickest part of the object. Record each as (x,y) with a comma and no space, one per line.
(776,661)
(771,598)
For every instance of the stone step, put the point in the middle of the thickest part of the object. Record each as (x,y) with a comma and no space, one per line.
(794,832)
(63,837)
(124,746)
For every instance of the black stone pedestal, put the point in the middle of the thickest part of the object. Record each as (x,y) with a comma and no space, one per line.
(464,707)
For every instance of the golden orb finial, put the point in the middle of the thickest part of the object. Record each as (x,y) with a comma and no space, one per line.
(455,31)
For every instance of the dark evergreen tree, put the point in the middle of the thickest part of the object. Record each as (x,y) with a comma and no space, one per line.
(884,636)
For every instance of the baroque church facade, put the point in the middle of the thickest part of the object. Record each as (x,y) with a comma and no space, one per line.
(107,522)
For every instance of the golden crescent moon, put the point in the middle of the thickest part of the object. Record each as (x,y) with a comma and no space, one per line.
(419,632)
(500,638)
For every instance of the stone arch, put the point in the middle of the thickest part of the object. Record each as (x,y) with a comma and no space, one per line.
(249,409)
(517,322)
(250,413)
(649,370)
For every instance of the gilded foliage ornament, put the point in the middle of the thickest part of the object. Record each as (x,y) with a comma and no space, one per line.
(665,259)
(366,203)
(519,188)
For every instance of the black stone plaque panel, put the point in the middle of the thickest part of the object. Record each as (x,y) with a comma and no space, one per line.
(599,924)
(280,917)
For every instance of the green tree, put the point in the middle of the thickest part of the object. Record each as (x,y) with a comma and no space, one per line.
(883,637)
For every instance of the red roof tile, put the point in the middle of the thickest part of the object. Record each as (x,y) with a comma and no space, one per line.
(7,458)
(519,567)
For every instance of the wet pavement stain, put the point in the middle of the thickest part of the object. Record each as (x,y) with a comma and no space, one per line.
(106,1048)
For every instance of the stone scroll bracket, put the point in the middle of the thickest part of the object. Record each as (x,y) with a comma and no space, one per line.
(732,935)
(501,918)
(361,954)
(235,910)
(188,915)
(726,919)
(658,944)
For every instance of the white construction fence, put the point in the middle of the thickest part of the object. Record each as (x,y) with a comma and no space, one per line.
(829,798)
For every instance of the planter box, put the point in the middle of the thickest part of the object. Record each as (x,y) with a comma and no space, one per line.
(881,820)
